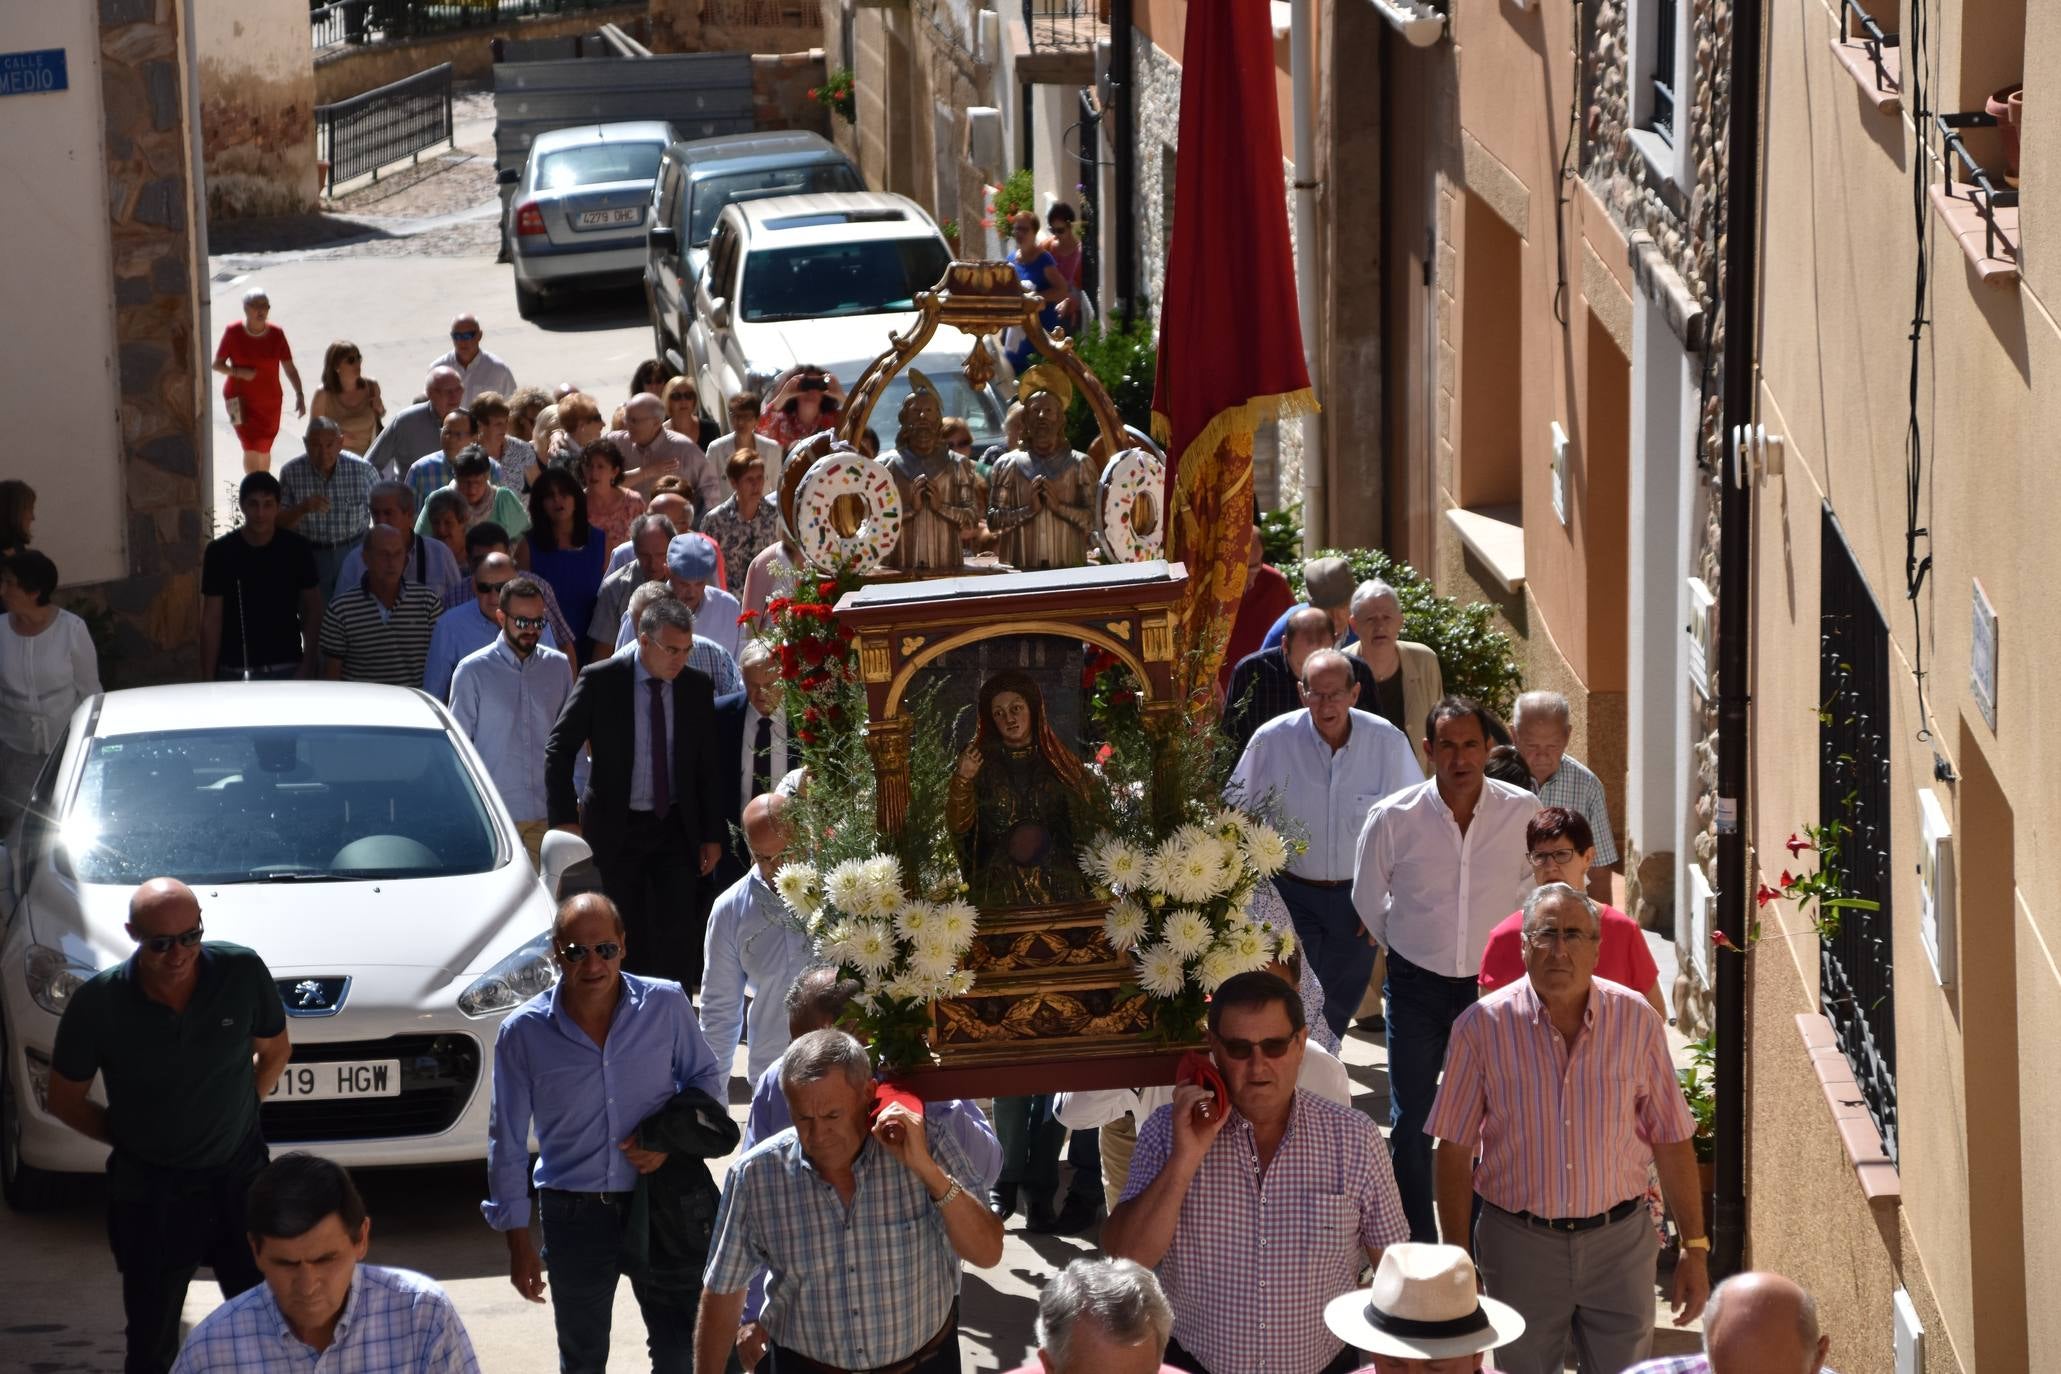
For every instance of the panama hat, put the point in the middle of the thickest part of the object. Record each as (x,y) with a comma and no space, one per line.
(1423,1306)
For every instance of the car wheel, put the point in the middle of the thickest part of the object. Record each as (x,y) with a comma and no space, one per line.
(529,302)
(26,1188)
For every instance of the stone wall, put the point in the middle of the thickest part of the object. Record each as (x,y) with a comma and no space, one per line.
(780,86)
(345,72)
(257,99)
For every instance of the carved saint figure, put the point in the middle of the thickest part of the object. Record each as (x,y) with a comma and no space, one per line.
(1011,799)
(1041,501)
(937,486)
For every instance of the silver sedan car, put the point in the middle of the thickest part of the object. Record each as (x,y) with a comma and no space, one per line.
(577,216)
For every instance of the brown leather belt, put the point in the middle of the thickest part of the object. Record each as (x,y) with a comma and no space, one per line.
(786,1359)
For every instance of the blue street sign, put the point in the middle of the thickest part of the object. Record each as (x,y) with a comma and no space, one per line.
(33,73)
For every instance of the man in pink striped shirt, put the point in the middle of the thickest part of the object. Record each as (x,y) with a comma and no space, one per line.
(1562,1085)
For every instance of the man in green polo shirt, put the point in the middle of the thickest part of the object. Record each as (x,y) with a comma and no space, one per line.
(189,1038)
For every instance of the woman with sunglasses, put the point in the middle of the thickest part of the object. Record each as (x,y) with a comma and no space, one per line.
(1039,271)
(349,397)
(1562,847)
(1070,253)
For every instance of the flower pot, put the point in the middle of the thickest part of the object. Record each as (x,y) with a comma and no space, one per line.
(2008,107)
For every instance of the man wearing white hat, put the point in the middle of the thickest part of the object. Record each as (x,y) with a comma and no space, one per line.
(1423,1314)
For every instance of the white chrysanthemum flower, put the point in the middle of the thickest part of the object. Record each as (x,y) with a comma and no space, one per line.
(1265,850)
(1124,925)
(1161,971)
(1284,945)
(1118,865)
(1249,946)
(915,920)
(908,985)
(1195,871)
(962,982)
(794,883)
(1187,933)
(1229,823)
(834,943)
(872,948)
(956,922)
(1217,965)
(934,963)
(845,886)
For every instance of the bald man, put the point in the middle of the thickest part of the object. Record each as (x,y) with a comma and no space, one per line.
(1754,1323)
(415,430)
(754,946)
(479,369)
(465,630)
(189,1037)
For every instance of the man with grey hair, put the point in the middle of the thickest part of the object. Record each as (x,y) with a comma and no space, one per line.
(425,562)
(1102,1316)
(480,370)
(1325,766)
(1407,678)
(1267,684)
(651,451)
(1755,1323)
(862,1222)
(1540,726)
(325,497)
(650,537)
(415,430)
(1562,1087)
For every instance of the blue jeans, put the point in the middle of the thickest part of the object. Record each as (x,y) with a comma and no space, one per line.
(1422,1007)
(583,1254)
(1334,945)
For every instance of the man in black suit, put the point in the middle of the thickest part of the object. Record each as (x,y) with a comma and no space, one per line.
(1264,685)
(751,729)
(655,800)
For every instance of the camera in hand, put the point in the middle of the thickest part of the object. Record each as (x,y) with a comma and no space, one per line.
(814,384)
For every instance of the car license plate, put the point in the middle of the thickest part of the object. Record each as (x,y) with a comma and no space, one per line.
(347,1078)
(602,219)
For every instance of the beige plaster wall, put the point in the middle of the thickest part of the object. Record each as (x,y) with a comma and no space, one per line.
(1974,1102)
(55,270)
(257,100)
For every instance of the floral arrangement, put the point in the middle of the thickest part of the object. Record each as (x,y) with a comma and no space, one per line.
(903,950)
(835,95)
(1182,910)
(816,658)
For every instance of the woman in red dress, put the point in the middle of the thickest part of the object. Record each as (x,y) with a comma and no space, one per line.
(251,355)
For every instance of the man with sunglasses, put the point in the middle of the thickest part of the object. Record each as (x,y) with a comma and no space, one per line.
(1562,1088)
(507,696)
(585,1063)
(1256,1214)
(465,630)
(188,1037)
(477,368)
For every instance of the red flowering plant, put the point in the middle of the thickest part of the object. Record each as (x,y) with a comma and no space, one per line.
(836,96)
(817,661)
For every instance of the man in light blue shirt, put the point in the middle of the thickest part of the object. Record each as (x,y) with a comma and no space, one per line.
(1324,767)
(320,1305)
(469,628)
(754,944)
(507,696)
(706,656)
(586,1062)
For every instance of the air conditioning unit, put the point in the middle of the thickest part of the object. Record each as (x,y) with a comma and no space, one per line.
(984,137)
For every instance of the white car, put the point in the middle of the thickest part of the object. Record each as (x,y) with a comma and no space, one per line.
(824,279)
(350,835)
(582,197)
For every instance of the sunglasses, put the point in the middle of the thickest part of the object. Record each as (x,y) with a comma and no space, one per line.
(464,335)
(485,587)
(162,944)
(526,622)
(1273,1047)
(608,951)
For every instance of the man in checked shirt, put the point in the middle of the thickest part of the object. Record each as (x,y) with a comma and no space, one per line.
(1257,1217)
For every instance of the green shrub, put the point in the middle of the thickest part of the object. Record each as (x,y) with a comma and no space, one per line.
(1281,534)
(1015,194)
(1473,656)
(1125,362)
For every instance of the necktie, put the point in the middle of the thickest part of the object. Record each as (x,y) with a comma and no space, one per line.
(661,756)
(762,758)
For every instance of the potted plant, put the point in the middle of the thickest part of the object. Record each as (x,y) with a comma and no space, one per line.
(835,95)
(1699,1087)
(2007,106)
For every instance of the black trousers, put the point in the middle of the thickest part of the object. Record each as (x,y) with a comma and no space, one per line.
(162,1225)
(654,879)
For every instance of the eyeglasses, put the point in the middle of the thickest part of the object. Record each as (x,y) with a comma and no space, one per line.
(484,588)
(1554,857)
(162,944)
(1273,1047)
(1342,694)
(526,622)
(1562,935)
(464,335)
(608,951)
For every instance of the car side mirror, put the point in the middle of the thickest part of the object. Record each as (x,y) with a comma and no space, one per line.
(662,239)
(508,176)
(719,312)
(560,850)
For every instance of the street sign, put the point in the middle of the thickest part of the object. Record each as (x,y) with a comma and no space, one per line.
(33,73)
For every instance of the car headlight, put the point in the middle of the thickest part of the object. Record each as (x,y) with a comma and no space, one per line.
(53,976)
(513,981)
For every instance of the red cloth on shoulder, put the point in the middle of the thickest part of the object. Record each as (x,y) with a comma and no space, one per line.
(1623,957)
(1267,594)
(886,1094)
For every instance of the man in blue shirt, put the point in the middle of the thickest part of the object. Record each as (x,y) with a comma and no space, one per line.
(1325,766)
(470,628)
(320,1305)
(755,944)
(507,696)
(585,1063)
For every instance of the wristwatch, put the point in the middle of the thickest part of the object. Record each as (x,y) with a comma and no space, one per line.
(955,1190)
(1696,1243)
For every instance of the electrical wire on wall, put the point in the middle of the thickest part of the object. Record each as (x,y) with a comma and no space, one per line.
(1567,175)
(1916,42)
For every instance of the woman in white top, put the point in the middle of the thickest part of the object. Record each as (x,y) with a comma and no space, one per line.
(47,667)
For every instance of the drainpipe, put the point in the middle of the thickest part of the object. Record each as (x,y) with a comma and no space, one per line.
(1735,552)
(1302,64)
(1122,43)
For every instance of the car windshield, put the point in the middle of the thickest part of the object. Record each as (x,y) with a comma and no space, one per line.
(711,195)
(980,409)
(277,804)
(594,163)
(825,280)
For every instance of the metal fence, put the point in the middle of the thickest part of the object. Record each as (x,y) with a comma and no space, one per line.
(1857,982)
(374,21)
(370,131)
(1062,23)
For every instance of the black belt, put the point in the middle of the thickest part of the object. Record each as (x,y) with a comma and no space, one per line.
(1316,882)
(1571,1225)
(610,1198)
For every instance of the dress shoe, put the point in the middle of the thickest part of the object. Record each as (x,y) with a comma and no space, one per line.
(1002,1200)
(1078,1214)
(1371,1023)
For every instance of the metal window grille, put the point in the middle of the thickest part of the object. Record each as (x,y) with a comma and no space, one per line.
(1060,23)
(1664,78)
(1857,983)
(372,21)
(384,126)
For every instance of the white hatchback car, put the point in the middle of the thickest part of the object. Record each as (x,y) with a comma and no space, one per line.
(350,835)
